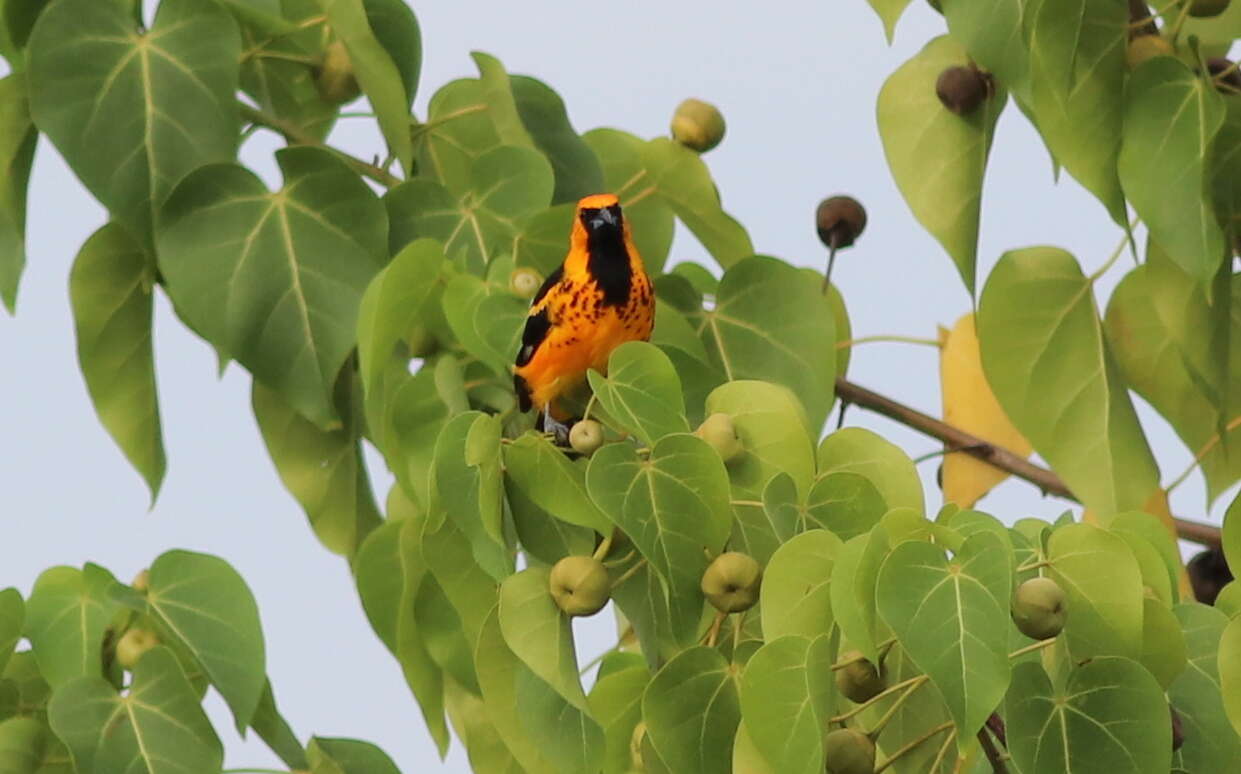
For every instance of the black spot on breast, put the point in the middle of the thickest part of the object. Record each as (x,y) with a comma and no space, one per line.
(537,326)
(552,279)
(609,265)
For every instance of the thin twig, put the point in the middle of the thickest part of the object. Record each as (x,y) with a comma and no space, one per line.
(889,338)
(628,573)
(909,684)
(295,136)
(998,766)
(959,440)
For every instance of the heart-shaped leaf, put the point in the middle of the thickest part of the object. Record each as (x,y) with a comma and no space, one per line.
(67,615)
(393,302)
(17,143)
(539,634)
(787,692)
(542,111)
(304,255)
(650,217)
(691,709)
(1196,696)
(12,618)
(951,617)
(641,392)
(771,425)
(796,592)
(544,474)
(1103,588)
(883,463)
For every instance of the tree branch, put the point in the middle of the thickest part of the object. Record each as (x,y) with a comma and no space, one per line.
(959,440)
(993,755)
(295,136)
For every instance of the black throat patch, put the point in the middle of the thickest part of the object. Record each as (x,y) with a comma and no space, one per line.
(609,264)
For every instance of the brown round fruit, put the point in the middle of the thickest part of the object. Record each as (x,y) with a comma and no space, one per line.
(334,77)
(1038,608)
(697,125)
(718,431)
(849,752)
(1204,8)
(580,585)
(586,436)
(839,220)
(1208,573)
(861,680)
(525,282)
(1146,47)
(962,89)
(132,645)
(731,582)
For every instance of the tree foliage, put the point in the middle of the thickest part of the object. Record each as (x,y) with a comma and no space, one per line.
(376,302)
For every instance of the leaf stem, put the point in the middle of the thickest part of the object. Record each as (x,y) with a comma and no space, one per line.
(888,338)
(1019,652)
(993,454)
(628,573)
(911,745)
(623,559)
(296,136)
(892,710)
(911,683)
(882,647)
(747,503)
(1180,21)
(1034,565)
(255,771)
(604,546)
(943,750)
(714,632)
(1120,248)
(1202,453)
(309,61)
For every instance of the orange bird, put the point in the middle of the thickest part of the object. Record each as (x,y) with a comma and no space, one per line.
(598,299)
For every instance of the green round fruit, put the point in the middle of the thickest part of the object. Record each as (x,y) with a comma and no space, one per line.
(719,431)
(525,282)
(132,645)
(849,752)
(1146,47)
(141,582)
(839,220)
(861,680)
(1204,8)
(586,436)
(697,125)
(580,585)
(731,582)
(1039,608)
(635,747)
(334,76)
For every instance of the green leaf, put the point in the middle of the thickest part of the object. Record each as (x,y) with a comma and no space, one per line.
(67,615)
(847,503)
(12,617)
(322,469)
(938,158)
(1224,166)
(275,732)
(379,576)
(471,591)
(1163,643)
(539,634)
(1211,742)
(796,593)
(378,76)
(951,617)
(787,692)
(17,143)
(27,747)
(207,605)
(157,727)
(1103,588)
(497,91)
(759,528)
(570,738)
(616,702)
(650,217)
(285,88)
(1171,344)
(770,322)
(458,129)
(503,186)
(486,750)
(641,392)
(1230,671)
(542,111)
(860,451)
(1110,716)
(497,670)
(771,425)
(684,183)
(1231,536)
(664,623)
(110,291)
(89,64)
(486,321)
(992,33)
(423,676)
(1072,406)
(1229,599)
(691,709)
(746,757)
(544,238)
(393,303)
(396,28)
(347,756)
(1171,118)
(1077,77)
(852,589)
(542,473)
(304,254)
(889,12)
(672,505)
(467,486)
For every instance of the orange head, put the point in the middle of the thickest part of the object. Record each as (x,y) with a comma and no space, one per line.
(599,219)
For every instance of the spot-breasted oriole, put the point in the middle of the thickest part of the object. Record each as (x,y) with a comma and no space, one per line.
(598,299)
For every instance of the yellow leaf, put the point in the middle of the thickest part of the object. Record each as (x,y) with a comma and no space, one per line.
(970,405)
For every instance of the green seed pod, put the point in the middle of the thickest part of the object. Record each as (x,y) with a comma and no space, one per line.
(586,436)
(697,125)
(1038,608)
(580,585)
(334,76)
(132,645)
(719,431)
(860,681)
(731,582)
(849,752)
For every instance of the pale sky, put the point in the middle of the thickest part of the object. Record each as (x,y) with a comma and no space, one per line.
(797,82)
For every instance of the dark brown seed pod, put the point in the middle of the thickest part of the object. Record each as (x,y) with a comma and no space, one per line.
(1217,65)
(1205,8)
(1139,11)
(840,220)
(962,89)
(1208,573)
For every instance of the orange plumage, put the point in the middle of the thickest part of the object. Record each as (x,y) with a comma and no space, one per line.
(598,299)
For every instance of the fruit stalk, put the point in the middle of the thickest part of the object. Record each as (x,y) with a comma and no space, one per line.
(911,745)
